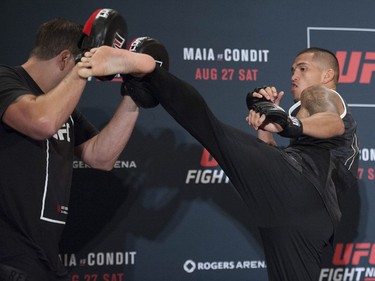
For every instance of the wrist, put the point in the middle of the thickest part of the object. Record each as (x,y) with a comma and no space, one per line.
(292,129)
(131,106)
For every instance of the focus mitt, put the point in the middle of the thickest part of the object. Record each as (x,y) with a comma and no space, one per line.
(131,85)
(104,27)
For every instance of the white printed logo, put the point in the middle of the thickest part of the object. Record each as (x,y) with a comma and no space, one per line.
(63,133)
(189,266)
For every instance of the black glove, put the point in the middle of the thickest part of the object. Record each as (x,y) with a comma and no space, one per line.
(273,112)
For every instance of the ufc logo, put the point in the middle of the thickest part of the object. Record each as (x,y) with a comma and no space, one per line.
(353,253)
(118,42)
(104,13)
(63,133)
(135,44)
(207,160)
(356,64)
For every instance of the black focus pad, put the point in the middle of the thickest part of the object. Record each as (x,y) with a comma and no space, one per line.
(133,86)
(104,27)
(152,47)
(273,112)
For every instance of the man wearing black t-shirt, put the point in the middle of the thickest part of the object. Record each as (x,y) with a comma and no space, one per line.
(40,132)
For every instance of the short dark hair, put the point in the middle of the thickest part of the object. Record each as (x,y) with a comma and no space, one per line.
(55,36)
(325,55)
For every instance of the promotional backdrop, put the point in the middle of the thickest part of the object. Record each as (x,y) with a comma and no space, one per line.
(167,212)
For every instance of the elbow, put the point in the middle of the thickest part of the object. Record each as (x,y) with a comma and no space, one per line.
(43,129)
(106,166)
(341,129)
(336,131)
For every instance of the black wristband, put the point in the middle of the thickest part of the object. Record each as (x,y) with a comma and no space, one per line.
(293,128)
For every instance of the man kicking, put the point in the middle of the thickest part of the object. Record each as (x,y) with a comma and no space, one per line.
(292,193)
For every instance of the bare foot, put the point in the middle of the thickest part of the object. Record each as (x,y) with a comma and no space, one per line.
(107,60)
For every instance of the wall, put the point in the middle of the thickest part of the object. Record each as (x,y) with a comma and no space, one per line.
(167,211)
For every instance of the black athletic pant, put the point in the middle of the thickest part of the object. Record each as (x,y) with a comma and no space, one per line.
(293,221)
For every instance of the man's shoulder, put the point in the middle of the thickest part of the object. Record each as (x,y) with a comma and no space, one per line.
(8,71)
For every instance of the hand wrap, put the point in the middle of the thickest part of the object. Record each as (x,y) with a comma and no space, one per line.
(273,112)
(293,128)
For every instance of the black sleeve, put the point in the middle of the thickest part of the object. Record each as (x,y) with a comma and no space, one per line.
(83,129)
(12,86)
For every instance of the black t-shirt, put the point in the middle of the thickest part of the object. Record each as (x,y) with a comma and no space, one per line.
(344,148)
(35,179)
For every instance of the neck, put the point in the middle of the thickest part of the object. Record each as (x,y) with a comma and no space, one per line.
(42,72)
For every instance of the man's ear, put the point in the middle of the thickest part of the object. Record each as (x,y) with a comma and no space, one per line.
(63,58)
(329,76)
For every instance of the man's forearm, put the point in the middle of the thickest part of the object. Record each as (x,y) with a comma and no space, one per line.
(103,150)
